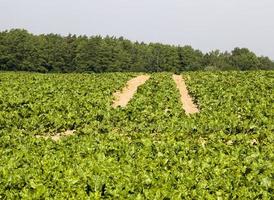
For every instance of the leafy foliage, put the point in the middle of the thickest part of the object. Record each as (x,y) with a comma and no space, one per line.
(22,51)
(148,150)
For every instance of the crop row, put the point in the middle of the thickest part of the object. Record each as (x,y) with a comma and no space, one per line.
(148,150)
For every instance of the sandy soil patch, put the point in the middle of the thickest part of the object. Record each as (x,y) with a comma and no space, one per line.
(56,137)
(188,105)
(123,97)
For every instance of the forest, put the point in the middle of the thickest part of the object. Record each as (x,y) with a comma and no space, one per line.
(24,51)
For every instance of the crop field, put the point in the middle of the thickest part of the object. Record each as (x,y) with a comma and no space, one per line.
(149,149)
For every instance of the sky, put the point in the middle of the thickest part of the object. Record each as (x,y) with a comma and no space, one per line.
(204,24)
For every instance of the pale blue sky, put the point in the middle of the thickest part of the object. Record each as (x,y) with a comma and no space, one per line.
(204,24)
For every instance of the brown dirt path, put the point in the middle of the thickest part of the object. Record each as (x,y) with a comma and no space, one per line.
(58,136)
(123,97)
(188,105)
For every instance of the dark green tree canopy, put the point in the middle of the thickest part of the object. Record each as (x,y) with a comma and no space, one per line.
(23,51)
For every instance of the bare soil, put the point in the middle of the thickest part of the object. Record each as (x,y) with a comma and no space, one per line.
(56,137)
(123,97)
(188,105)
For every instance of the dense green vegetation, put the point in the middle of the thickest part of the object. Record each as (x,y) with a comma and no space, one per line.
(148,150)
(22,51)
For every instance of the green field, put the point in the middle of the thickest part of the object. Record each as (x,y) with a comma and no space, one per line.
(149,150)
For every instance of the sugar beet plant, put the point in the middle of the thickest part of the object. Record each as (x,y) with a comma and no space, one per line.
(149,150)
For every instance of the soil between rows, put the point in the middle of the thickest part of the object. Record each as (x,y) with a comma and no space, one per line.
(123,97)
(188,105)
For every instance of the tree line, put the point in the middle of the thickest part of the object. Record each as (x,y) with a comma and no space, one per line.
(23,51)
